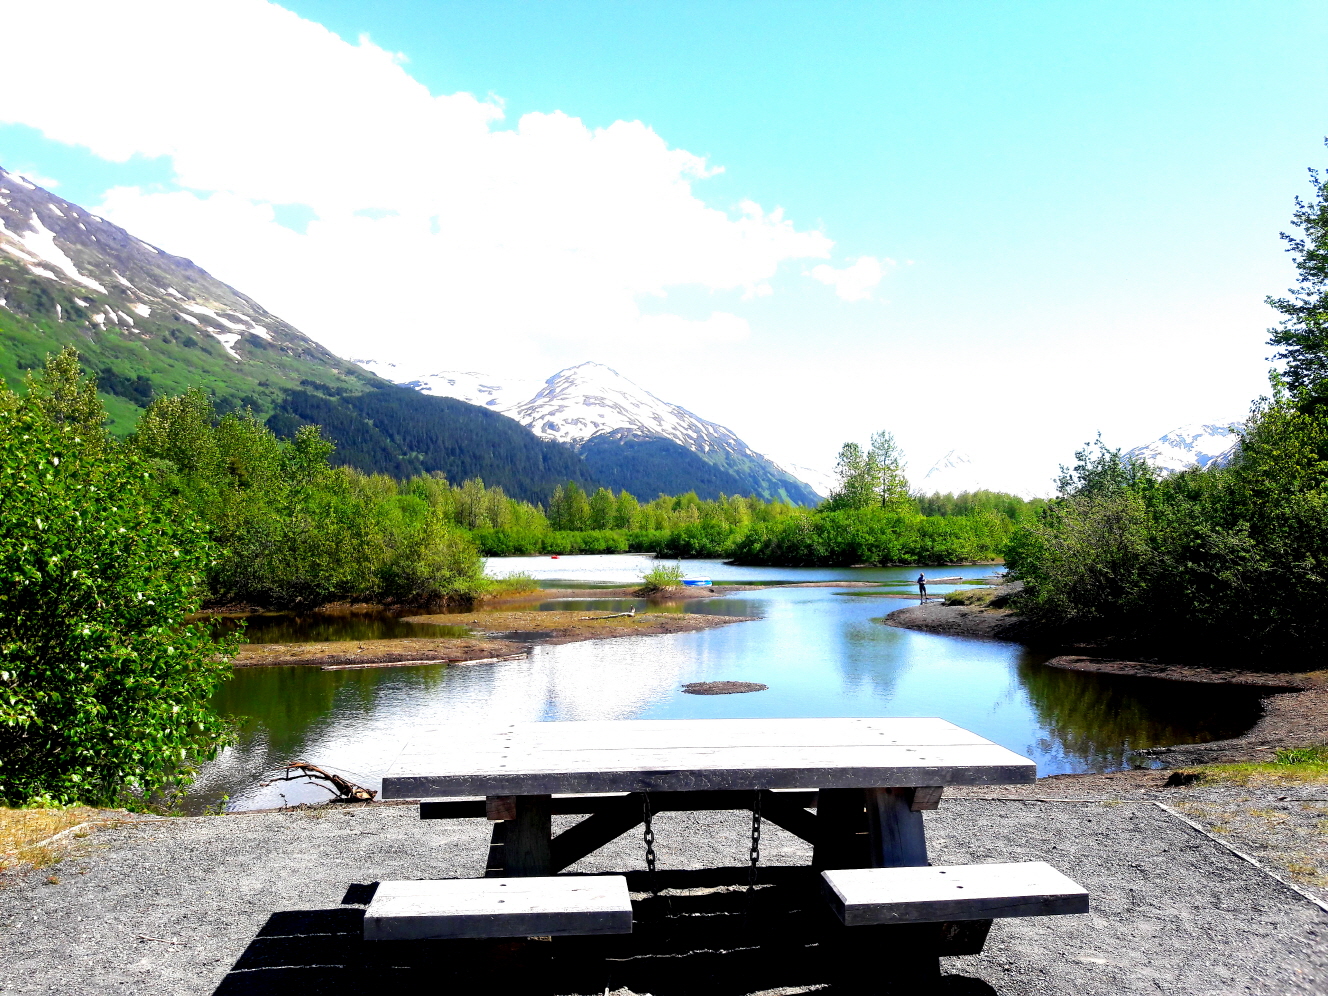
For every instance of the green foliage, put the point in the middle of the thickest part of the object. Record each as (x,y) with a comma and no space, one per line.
(1221,563)
(105,686)
(874,535)
(1302,335)
(295,530)
(1302,755)
(514,583)
(661,577)
(1012,507)
(871,478)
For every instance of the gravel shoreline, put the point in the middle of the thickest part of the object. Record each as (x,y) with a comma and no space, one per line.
(271,902)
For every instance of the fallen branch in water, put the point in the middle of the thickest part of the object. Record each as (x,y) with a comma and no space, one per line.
(343,789)
(616,615)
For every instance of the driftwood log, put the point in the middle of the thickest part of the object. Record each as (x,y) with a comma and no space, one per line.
(342,789)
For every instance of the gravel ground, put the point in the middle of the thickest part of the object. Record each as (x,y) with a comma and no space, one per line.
(268,903)
(1282,824)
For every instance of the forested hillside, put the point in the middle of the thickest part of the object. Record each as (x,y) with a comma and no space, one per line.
(148,325)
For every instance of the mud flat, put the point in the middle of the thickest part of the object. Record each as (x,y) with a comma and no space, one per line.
(559,626)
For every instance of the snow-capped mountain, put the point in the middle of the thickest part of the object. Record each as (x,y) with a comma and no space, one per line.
(122,284)
(468,386)
(953,473)
(1210,445)
(823,482)
(591,401)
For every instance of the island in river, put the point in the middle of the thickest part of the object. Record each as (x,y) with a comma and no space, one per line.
(494,633)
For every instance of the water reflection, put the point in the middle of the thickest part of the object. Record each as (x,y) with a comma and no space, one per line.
(289,627)
(1100,719)
(820,655)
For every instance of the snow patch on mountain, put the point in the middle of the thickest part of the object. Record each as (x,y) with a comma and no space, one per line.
(585,401)
(40,242)
(954,473)
(1211,444)
(127,275)
(823,482)
(499,394)
(591,400)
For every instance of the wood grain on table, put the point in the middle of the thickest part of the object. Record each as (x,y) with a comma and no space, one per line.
(699,754)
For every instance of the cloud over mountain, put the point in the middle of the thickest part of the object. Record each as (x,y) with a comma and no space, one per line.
(433,221)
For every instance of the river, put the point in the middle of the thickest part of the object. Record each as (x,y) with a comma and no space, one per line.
(821,651)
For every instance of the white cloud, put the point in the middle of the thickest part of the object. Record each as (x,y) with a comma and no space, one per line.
(719,327)
(436,229)
(856,282)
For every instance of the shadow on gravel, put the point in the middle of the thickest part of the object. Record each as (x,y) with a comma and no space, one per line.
(703,935)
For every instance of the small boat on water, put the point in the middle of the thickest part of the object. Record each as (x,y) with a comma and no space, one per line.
(696,582)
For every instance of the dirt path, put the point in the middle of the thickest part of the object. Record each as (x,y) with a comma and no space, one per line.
(271,904)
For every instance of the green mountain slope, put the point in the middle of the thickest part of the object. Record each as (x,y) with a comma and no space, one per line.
(148,323)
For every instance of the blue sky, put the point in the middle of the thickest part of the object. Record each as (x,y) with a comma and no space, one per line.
(1079,203)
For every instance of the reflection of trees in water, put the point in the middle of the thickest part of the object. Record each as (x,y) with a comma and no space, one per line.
(1098,719)
(867,659)
(283,704)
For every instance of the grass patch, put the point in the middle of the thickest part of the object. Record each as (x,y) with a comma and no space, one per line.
(1290,766)
(23,830)
(516,583)
(973,596)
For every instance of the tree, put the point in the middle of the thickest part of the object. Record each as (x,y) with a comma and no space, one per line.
(575,508)
(600,509)
(889,458)
(1302,336)
(859,479)
(627,513)
(105,686)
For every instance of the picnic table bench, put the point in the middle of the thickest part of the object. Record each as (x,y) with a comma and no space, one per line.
(869,780)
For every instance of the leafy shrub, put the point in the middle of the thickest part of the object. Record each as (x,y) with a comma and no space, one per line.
(106,688)
(515,583)
(1217,563)
(661,577)
(1302,755)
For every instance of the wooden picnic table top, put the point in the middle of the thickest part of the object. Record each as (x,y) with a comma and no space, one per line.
(679,755)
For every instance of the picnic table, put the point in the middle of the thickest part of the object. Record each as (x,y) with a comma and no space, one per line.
(868,779)
(617,771)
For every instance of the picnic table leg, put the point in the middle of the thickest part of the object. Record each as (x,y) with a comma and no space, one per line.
(894,836)
(527,847)
(841,838)
(895,830)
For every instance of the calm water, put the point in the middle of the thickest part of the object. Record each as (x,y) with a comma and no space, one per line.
(822,651)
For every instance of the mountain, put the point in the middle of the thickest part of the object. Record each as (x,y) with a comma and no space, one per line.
(148,323)
(953,473)
(624,432)
(1208,445)
(473,388)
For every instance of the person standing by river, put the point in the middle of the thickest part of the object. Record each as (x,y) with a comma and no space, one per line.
(922,587)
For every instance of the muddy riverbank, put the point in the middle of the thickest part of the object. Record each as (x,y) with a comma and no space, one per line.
(496,634)
(1295,711)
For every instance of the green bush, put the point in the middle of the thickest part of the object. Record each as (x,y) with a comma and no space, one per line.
(872,535)
(1220,563)
(661,577)
(105,688)
(293,529)
(515,583)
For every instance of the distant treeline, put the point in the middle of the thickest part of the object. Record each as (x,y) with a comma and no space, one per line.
(966,527)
